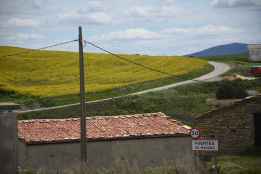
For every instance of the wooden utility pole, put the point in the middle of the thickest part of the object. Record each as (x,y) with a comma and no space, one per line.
(82,96)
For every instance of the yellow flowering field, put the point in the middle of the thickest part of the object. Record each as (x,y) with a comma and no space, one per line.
(56,73)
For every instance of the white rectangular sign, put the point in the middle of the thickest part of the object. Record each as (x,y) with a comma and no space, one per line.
(205,145)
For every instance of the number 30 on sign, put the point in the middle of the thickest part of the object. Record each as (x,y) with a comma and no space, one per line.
(195,133)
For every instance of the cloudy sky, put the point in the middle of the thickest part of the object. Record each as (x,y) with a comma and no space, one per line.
(166,27)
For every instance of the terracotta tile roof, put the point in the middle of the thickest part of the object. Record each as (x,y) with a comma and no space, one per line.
(45,131)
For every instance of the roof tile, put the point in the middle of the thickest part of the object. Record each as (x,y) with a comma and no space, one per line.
(45,131)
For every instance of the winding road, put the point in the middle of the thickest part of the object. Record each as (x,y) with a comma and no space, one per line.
(219,69)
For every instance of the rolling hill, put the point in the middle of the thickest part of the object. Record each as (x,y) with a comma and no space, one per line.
(222,50)
(56,73)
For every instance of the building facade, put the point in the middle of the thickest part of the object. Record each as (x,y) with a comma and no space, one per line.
(237,127)
(146,140)
(254,52)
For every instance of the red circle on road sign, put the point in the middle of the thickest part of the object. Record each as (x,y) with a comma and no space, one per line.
(195,133)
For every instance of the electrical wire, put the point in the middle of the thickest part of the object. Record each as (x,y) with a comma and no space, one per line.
(127,60)
(94,45)
(58,44)
(42,48)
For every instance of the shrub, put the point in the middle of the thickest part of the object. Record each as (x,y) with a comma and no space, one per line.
(231,90)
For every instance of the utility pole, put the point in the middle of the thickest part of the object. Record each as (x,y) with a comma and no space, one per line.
(82,98)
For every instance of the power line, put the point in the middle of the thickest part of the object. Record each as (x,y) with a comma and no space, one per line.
(58,44)
(127,60)
(94,45)
(42,48)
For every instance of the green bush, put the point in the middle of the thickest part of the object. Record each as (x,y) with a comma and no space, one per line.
(231,90)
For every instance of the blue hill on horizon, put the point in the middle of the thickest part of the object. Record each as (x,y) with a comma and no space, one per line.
(221,50)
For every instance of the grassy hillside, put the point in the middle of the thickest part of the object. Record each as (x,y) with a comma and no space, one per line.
(55,74)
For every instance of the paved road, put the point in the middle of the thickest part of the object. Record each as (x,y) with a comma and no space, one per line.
(219,69)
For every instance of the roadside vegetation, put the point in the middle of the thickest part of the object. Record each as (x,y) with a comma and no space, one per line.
(47,78)
(121,170)
(183,103)
(248,162)
(125,167)
(240,164)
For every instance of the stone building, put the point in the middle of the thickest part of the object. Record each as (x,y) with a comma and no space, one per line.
(237,126)
(142,139)
(254,52)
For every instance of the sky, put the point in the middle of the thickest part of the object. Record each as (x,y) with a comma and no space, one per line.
(153,27)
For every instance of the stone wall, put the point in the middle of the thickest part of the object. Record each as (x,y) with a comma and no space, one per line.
(233,125)
(104,154)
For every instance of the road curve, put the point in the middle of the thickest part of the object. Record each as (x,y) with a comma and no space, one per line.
(219,69)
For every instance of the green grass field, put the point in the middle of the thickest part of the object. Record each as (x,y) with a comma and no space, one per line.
(55,74)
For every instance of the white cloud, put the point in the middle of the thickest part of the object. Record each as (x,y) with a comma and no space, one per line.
(21,7)
(19,22)
(140,11)
(83,17)
(25,36)
(234,3)
(153,12)
(99,18)
(130,34)
(257,2)
(205,30)
(167,36)
(169,2)
(95,6)
(20,37)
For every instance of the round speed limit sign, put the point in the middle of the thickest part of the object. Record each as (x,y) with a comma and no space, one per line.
(195,133)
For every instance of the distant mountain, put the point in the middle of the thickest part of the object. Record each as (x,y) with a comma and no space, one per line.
(228,49)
